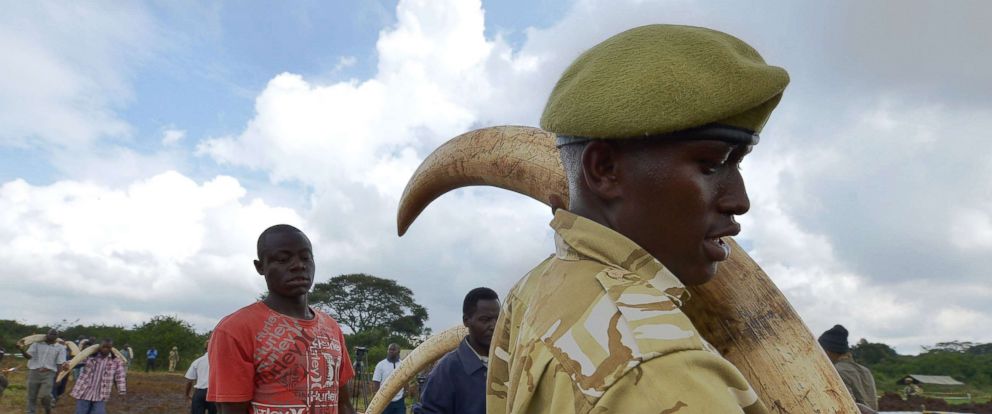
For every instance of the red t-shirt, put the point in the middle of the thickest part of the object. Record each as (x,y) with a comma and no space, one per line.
(282,365)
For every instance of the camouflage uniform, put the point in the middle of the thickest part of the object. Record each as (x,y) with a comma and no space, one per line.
(597,328)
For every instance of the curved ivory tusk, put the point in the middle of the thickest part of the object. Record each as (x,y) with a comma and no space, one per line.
(431,350)
(741,312)
(73,348)
(30,339)
(82,355)
(521,159)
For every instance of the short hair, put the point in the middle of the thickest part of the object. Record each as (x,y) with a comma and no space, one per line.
(571,161)
(276,229)
(474,296)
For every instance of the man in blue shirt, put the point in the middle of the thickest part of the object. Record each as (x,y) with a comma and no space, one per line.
(150,358)
(458,382)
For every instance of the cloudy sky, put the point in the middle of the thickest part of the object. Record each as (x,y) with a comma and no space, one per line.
(143,147)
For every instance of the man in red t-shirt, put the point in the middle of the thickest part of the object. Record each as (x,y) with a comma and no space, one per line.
(279,355)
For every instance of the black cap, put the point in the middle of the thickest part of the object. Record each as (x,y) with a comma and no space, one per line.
(835,340)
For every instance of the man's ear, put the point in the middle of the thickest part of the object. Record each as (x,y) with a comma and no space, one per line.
(258,267)
(600,169)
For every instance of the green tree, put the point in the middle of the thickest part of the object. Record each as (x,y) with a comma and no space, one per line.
(364,302)
(869,353)
(163,332)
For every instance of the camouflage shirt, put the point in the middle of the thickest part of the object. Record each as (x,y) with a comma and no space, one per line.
(596,328)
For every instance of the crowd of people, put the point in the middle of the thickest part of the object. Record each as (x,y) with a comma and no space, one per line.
(105,366)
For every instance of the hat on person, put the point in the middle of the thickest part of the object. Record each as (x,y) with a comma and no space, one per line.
(658,79)
(835,340)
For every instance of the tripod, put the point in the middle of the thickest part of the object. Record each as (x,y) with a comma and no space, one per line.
(360,387)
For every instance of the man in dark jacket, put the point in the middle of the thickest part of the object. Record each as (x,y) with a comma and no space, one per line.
(858,379)
(458,382)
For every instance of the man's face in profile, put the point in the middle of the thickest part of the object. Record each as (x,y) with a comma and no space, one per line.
(679,200)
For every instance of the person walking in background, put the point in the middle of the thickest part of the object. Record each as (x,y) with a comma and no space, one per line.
(128,353)
(857,378)
(83,343)
(58,387)
(45,360)
(197,377)
(101,371)
(150,358)
(382,371)
(457,384)
(173,359)
(3,379)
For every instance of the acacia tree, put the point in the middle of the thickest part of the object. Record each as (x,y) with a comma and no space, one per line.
(364,302)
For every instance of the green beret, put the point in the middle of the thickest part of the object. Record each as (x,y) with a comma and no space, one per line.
(659,79)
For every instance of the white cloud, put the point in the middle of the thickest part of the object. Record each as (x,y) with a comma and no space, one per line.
(61,81)
(162,245)
(172,136)
(345,62)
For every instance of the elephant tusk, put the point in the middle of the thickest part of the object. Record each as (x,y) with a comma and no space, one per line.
(520,159)
(431,350)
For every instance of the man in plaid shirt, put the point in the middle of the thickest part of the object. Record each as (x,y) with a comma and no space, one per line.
(101,370)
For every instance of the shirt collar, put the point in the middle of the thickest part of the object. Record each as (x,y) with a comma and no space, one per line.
(577,237)
(470,360)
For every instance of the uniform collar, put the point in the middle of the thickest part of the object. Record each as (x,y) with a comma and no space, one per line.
(577,237)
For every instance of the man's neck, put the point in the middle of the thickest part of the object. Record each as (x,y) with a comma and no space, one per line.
(479,349)
(294,307)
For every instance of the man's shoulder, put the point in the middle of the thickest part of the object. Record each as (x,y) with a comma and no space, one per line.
(244,317)
(448,364)
(325,319)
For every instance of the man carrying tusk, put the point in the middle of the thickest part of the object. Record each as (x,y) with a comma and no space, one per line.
(652,125)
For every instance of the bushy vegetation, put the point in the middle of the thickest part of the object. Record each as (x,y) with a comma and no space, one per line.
(163,332)
(967,362)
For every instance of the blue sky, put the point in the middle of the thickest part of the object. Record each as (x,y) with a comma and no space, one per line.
(145,145)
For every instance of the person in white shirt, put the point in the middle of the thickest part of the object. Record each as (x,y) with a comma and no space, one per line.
(383,370)
(45,360)
(196,379)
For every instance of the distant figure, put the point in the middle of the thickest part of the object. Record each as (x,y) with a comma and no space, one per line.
(83,343)
(101,371)
(197,377)
(58,387)
(3,379)
(382,372)
(911,388)
(857,378)
(457,384)
(128,353)
(150,358)
(45,360)
(173,359)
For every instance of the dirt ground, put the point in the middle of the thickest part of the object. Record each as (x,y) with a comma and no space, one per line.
(153,393)
(893,402)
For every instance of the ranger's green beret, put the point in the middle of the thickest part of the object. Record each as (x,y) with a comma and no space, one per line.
(659,79)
